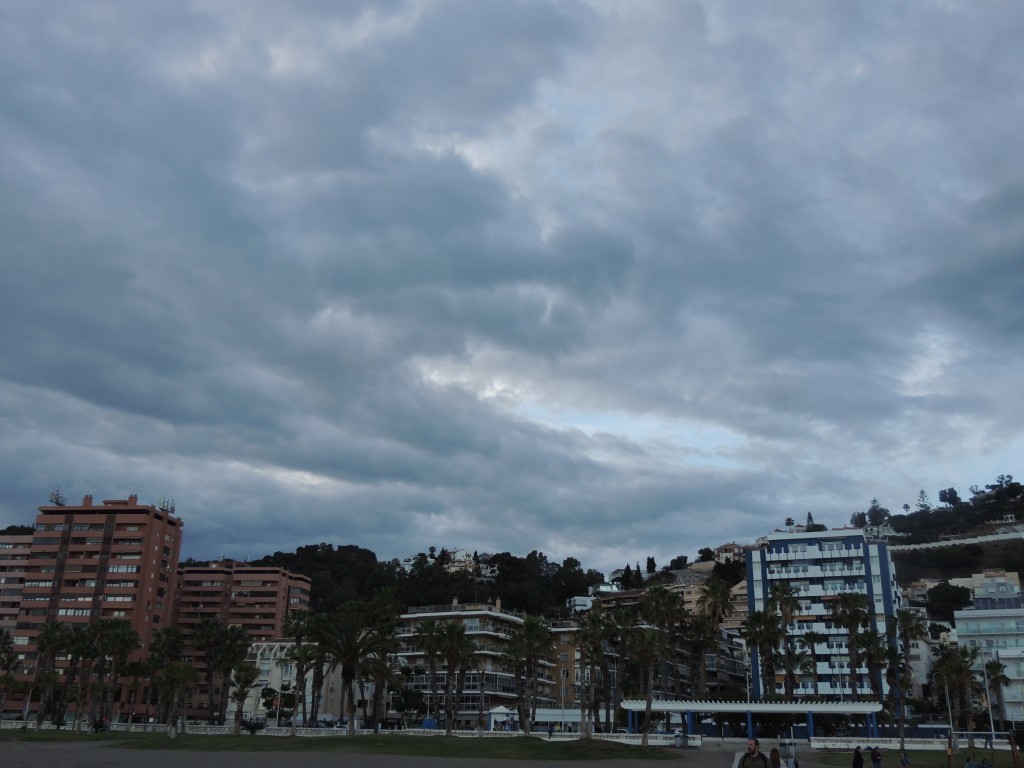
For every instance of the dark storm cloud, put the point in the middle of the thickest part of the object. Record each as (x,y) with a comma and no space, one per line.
(605,280)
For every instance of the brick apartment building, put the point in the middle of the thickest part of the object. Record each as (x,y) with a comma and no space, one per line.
(114,560)
(14,552)
(119,559)
(257,598)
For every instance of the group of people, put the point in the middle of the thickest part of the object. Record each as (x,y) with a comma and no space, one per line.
(755,758)
(876,760)
(875,754)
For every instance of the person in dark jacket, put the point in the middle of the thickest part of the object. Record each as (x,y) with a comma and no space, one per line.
(754,757)
(858,758)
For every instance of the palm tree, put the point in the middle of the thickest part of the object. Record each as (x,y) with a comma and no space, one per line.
(954,668)
(176,682)
(513,658)
(243,679)
(51,642)
(663,610)
(302,655)
(714,604)
(166,649)
(317,630)
(621,624)
(794,662)
(873,651)
(458,652)
(137,672)
(539,645)
(384,674)
(646,649)
(233,650)
(208,637)
(525,649)
(115,641)
(783,600)
(762,630)
(80,646)
(696,636)
(591,649)
(428,640)
(9,663)
(910,626)
(995,670)
(356,649)
(811,640)
(850,612)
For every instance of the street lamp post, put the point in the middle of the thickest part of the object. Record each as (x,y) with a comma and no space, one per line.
(988,701)
(746,671)
(949,708)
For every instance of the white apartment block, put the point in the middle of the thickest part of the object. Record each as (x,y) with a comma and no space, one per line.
(490,627)
(277,670)
(994,624)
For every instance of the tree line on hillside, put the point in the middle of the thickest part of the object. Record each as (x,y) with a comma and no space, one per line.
(926,523)
(346,574)
(535,585)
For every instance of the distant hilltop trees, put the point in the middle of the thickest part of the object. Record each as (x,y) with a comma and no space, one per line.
(997,502)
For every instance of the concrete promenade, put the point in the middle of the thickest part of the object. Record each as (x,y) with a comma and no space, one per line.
(85,754)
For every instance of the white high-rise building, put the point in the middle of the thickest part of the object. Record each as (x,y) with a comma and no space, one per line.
(820,566)
(994,625)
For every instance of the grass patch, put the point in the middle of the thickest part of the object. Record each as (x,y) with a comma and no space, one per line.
(513,748)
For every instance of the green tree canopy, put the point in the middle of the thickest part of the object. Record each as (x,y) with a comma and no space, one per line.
(944,599)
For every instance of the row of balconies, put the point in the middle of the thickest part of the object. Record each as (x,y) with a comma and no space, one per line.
(465,608)
(483,628)
(806,571)
(813,554)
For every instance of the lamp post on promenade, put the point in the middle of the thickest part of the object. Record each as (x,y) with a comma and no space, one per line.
(988,701)
(949,708)
(747,663)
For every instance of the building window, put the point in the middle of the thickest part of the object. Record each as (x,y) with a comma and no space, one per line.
(73,611)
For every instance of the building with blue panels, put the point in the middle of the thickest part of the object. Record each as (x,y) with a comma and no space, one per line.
(819,567)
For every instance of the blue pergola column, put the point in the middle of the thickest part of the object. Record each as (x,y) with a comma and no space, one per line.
(810,725)
(689,722)
(750,724)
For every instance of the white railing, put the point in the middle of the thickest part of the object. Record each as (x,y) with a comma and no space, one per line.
(196,729)
(848,743)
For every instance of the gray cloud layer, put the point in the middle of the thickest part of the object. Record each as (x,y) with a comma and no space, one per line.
(606,280)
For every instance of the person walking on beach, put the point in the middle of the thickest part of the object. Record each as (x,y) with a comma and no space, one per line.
(754,757)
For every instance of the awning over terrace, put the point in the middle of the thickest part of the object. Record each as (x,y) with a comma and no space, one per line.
(809,708)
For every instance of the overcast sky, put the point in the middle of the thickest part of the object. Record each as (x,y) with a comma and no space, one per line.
(603,279)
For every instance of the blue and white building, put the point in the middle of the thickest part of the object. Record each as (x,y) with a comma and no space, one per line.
(820,566)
